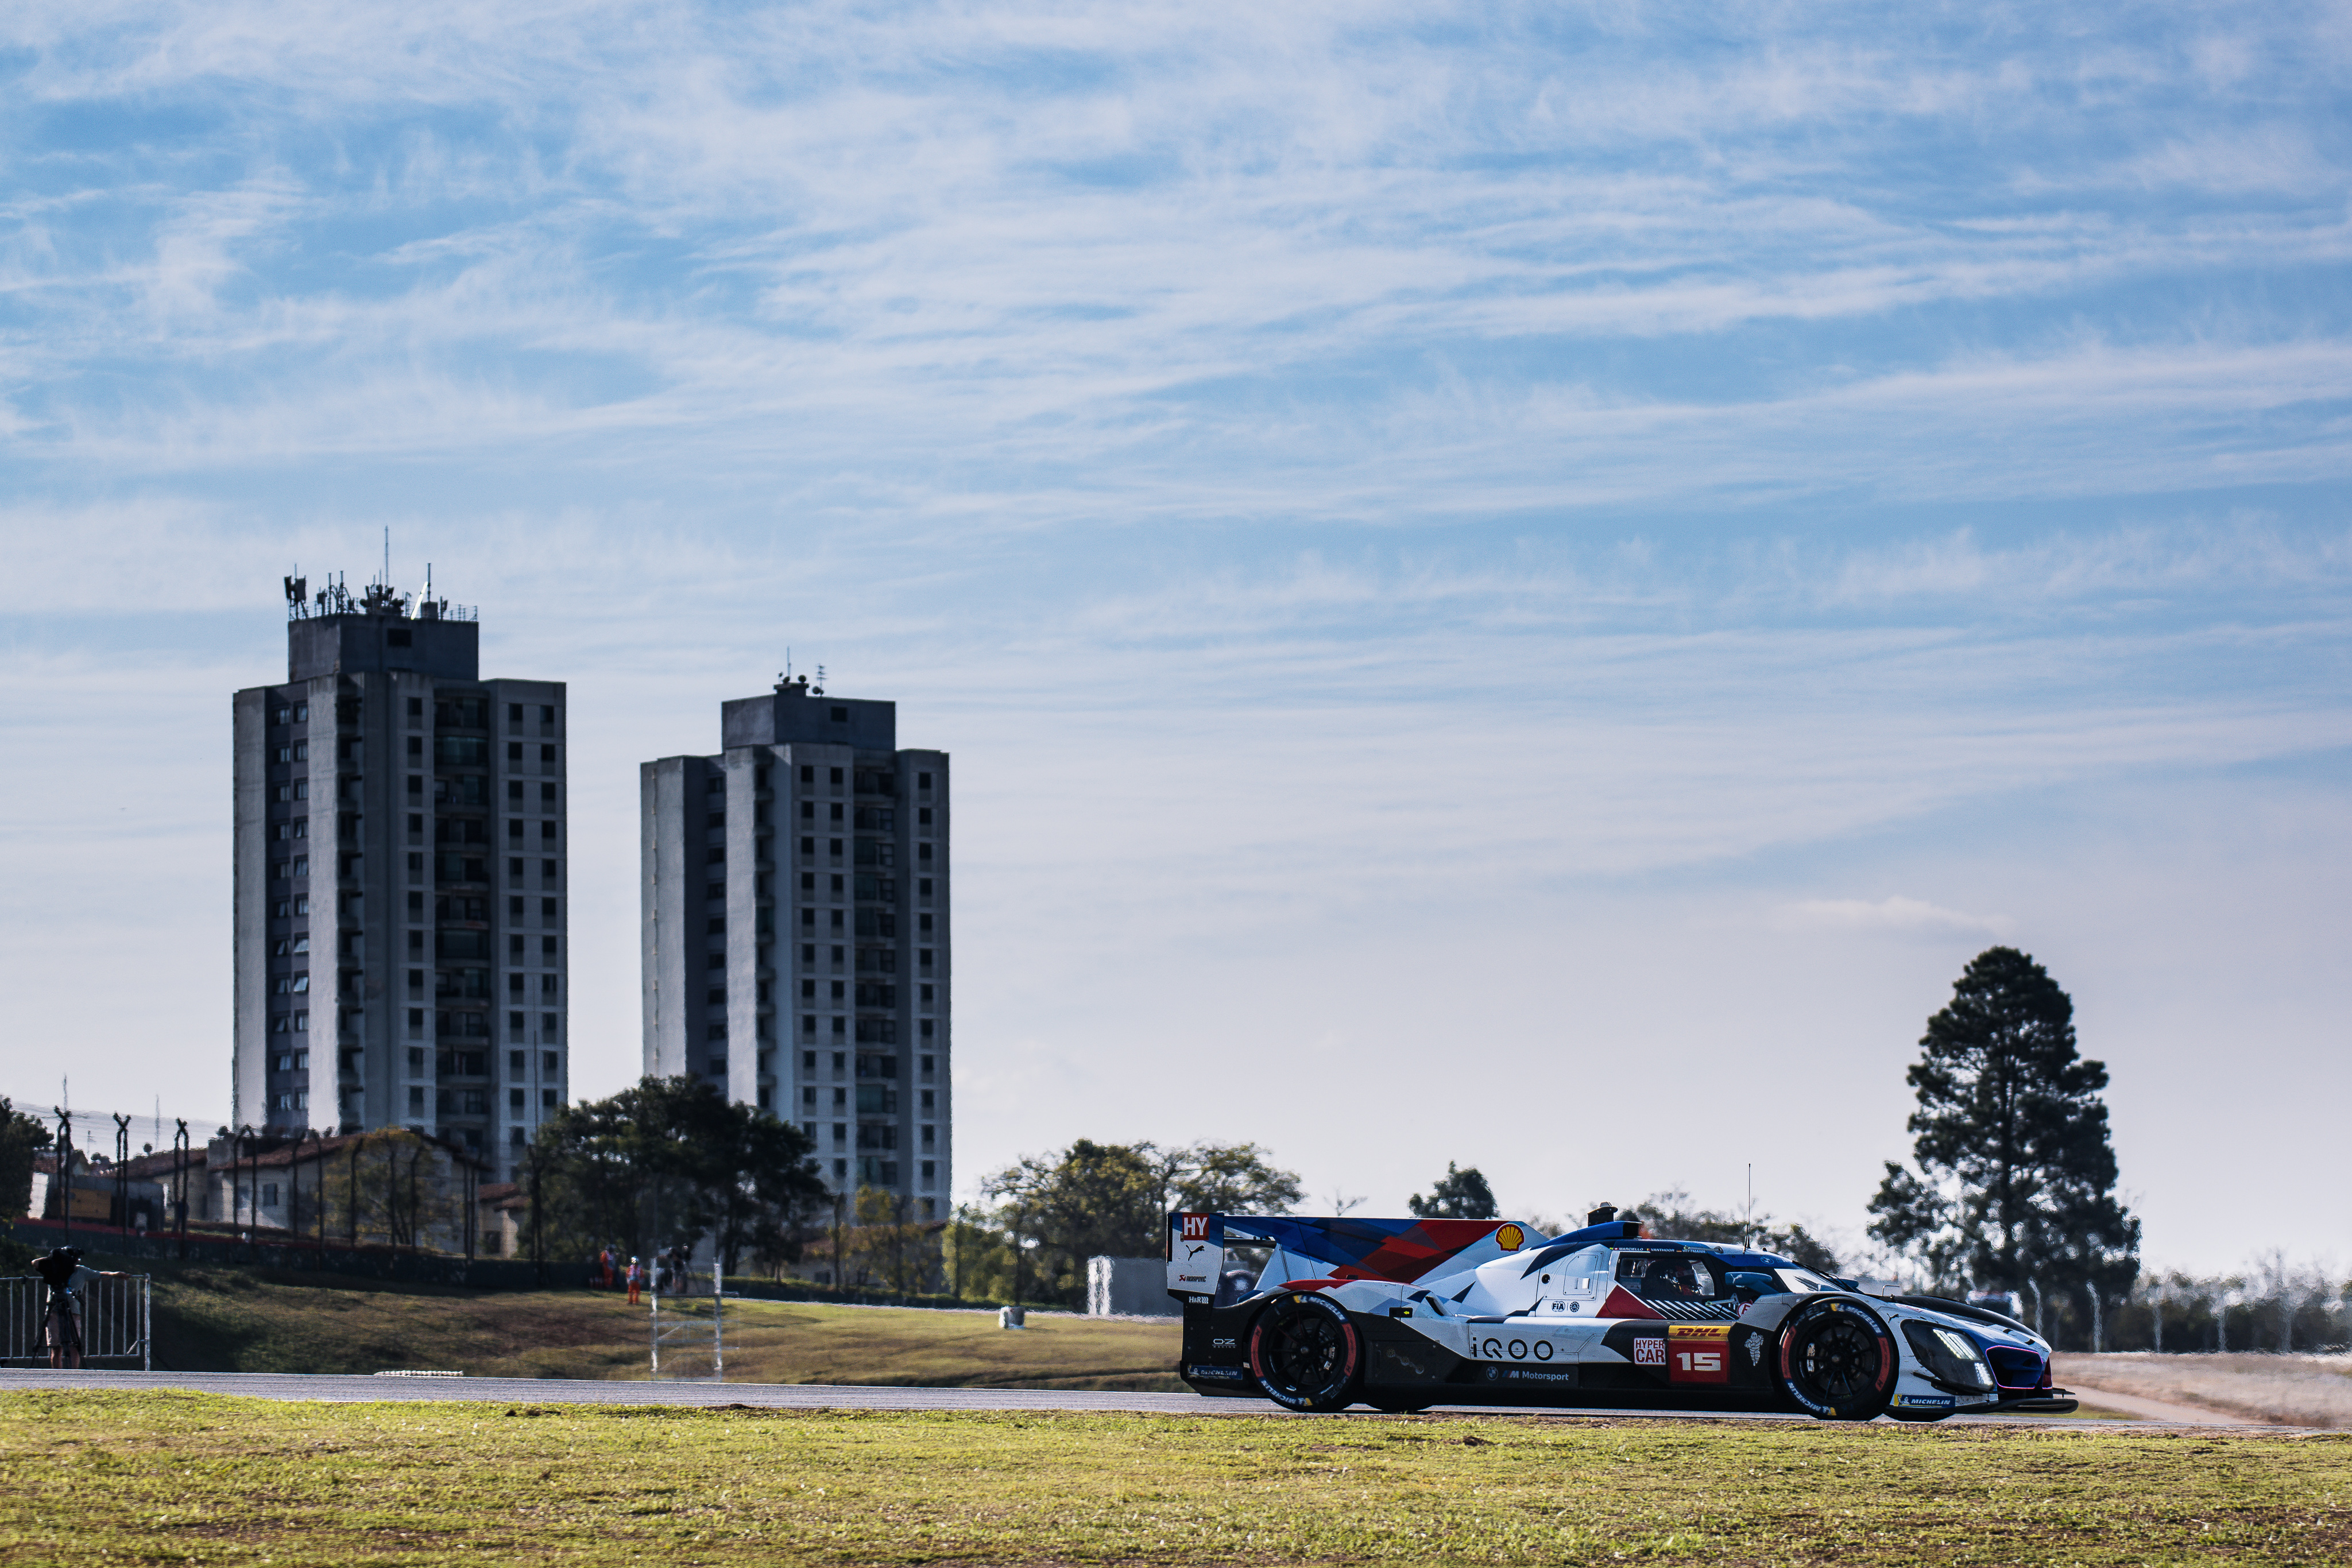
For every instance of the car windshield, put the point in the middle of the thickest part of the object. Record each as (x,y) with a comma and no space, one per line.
(1804,1280)
(1669,1274)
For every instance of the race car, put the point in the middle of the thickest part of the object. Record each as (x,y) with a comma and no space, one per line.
(1402,1314)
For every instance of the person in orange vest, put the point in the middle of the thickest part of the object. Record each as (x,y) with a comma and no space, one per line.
(636,1277)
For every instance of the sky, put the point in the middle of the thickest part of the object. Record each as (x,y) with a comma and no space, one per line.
(1513,585)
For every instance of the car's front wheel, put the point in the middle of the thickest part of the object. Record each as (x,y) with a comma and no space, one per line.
(1306,1354)
(1838,1361)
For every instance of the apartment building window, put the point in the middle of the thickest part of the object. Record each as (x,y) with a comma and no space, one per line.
(514,713)
(808,1027)
(546,869)
(922,780)
(840,1134)
(417,707)
(922,887)
(929,1133)
(514,1026)
(415,1100)
(923,853)
(547,1099)
(416,1023)
(547,829)
(841,1026)
(925,1031)
(514,754)
(515,1101)
(931,1097)
(547,1028)
(808,848)
(931,1173)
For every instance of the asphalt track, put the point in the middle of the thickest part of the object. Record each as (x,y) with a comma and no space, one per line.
(839,1397)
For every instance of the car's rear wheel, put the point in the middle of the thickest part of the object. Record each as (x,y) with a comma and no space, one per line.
(1838,1361)
(1306,1354)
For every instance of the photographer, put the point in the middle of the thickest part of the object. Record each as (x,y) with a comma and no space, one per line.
(69,1278)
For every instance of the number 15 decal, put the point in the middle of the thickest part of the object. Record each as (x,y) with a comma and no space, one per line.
(1698,1354)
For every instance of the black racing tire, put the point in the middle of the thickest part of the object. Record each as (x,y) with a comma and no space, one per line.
(1306,1354)
(1837,1361)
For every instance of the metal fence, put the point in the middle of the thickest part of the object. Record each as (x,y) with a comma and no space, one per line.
(690,1331)
(115,1321)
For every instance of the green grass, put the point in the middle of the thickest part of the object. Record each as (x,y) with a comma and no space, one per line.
(230,1320)
(90,1478)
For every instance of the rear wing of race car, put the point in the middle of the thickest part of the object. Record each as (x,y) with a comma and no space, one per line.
(1281,1251)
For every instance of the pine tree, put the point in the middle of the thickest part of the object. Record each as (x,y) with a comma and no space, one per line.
(2013,1178)
(1462,1195)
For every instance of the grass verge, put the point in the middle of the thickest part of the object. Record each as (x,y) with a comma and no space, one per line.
(2295,1390)
(210,1319)
(181,1478)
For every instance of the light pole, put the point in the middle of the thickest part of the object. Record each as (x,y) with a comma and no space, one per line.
(180,1183)
(65,1170)
(121,1214)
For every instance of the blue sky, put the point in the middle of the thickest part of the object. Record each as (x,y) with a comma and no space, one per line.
(1511,585)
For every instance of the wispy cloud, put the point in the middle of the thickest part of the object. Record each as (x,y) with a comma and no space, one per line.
(1893,914)
(1404,514)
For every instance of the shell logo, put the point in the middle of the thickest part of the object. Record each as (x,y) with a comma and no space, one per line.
(1510,1238)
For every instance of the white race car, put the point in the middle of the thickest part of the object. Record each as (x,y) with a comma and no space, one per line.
(1401,1314)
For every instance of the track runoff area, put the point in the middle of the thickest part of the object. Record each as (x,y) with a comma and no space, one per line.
(857,1397)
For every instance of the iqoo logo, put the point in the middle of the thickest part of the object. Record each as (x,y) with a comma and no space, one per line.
(1515,1350)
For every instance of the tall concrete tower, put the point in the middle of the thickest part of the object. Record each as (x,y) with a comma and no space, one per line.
(796,937)
(401,881)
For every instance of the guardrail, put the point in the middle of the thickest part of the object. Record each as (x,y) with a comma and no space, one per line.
(115,1321)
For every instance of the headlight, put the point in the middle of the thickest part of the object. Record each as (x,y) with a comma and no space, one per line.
(1950,1357)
